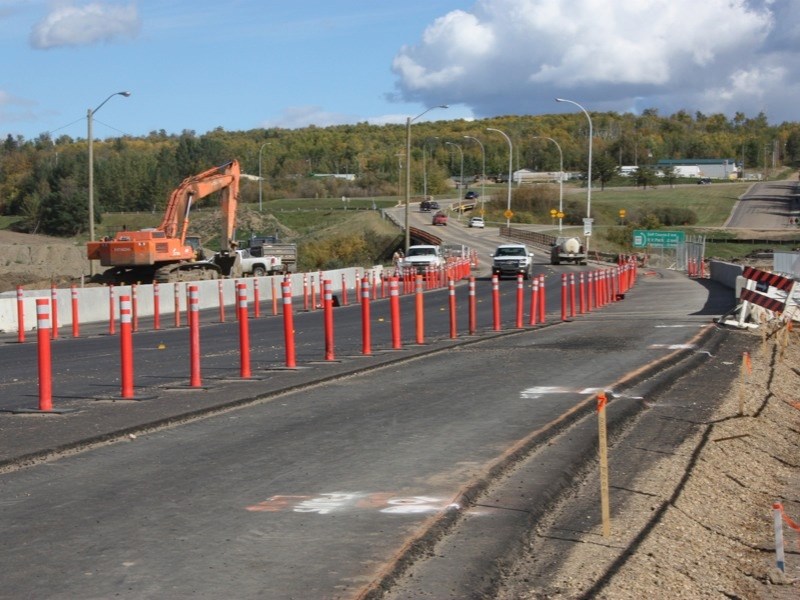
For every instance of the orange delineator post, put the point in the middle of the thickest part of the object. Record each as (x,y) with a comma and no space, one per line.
(288,324)
(344,290)
(394,311)
(572,294)
(244,331)
(111,310)
(156,307)
(419,310)
(75,314)
(134,308)
(126,346)
(274,298)
(256,299)
(20,315)
(534,300)
(542,298)
(45,366)
(520,301)
(221,301)
(194,336)
(366,330)
(451,288)
(563,296)
(327,307)
(495,303)
(473,324)
(54,311)
(581,294)
(177,301)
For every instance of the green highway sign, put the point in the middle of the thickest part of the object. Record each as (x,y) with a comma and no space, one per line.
(642,238)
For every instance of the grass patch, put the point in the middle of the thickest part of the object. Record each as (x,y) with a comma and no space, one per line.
(7,222)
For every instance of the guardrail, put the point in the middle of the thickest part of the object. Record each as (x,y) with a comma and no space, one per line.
(534,237)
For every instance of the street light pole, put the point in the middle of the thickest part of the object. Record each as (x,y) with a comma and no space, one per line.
(588,171)
(483,169)
(410,120)
(90,139)
(260,179)
(560,179)
(461,185)
(510,171)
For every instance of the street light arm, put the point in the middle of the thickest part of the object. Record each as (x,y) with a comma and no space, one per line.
(427,111)
(126,94)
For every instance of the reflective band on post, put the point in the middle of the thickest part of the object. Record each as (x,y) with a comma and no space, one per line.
(42,314)
(125,313)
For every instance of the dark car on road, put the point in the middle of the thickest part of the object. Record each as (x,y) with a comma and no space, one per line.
(470,195)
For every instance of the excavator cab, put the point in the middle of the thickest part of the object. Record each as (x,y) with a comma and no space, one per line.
(193,241)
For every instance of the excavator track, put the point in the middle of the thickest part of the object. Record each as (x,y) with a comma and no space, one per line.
(177,273)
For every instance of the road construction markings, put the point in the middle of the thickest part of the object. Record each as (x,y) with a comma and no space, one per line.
(539,391)
(332,502)
(542,390)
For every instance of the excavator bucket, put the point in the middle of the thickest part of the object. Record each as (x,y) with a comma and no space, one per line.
(230,263)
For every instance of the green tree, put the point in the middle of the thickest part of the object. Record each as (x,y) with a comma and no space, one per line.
(603,169)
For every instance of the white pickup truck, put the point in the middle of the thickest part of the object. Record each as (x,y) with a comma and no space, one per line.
(259,266)
(512,259)
(422,256)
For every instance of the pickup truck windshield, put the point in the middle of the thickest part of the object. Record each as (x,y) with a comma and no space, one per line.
(510,252)
(420,251)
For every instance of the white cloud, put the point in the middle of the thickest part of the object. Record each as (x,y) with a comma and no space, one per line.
(515,56)
(69,25)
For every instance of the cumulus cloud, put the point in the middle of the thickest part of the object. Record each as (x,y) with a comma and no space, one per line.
(516,56)
(70,25)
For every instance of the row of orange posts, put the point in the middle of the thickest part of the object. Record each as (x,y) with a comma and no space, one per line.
(599,288)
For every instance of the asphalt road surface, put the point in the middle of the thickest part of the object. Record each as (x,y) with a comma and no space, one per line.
(767,205)
(330,480)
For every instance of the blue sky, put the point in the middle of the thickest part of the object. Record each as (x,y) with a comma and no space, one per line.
(244,64)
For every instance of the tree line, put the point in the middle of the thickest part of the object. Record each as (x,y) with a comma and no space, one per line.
(44,181)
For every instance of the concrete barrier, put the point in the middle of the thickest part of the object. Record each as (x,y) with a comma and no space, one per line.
(93,302)
(725,273)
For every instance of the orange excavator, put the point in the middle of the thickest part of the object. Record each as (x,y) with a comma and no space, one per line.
(166,254)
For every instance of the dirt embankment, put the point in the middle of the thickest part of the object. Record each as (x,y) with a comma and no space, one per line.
(36,261)
(699,523)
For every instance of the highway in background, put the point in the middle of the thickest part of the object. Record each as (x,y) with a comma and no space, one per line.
(767,205)
(326,480)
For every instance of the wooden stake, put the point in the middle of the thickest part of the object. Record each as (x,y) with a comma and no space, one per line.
(603,448)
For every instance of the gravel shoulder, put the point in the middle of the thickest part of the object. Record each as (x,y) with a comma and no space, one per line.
(698,521)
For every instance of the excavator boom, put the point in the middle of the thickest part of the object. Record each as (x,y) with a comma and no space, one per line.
(224,178)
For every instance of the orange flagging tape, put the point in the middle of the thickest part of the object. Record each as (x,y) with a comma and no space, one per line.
(787,519)
(601,401)
(747,362)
